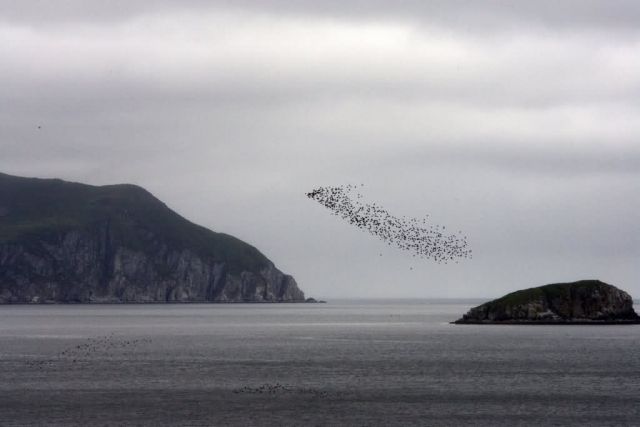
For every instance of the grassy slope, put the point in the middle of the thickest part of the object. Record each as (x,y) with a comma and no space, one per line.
(34,209)
(547,292)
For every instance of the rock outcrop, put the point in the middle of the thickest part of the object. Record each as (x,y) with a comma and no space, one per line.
(64,242)
(586,301)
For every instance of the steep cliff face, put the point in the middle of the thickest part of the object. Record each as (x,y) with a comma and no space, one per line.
(69,242)
(586,301)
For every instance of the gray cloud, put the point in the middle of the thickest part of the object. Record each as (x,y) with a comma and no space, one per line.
(513,121)
(461,15)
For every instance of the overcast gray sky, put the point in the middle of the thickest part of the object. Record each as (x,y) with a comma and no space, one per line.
(516,122)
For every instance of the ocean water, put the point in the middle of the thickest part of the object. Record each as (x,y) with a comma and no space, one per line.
(342,363)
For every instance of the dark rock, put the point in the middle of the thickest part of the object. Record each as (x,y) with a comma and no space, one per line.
(68,242)
(586,301)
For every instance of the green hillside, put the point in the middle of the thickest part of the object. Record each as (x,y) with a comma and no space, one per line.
(33,210)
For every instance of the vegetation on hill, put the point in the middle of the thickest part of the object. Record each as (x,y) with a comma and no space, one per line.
(33,209)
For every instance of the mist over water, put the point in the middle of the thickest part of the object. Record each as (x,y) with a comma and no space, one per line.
(362,362)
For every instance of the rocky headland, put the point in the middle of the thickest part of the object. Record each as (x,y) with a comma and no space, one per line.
(64,242)
(582,302)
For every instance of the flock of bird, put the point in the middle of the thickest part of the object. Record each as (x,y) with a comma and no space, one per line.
(425,240)
(277,388)
(99,346)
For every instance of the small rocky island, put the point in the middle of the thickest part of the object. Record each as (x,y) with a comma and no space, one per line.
(582,302)
(66,242)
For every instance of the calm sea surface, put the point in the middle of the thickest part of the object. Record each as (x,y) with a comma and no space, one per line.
(342,363)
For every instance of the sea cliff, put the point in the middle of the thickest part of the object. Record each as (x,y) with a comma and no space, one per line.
(63,242)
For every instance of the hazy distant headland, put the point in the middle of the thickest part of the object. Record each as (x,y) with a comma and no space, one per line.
(582,302)
(64,242)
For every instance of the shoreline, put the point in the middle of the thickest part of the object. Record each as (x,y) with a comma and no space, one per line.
(158,302)
(561,323)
